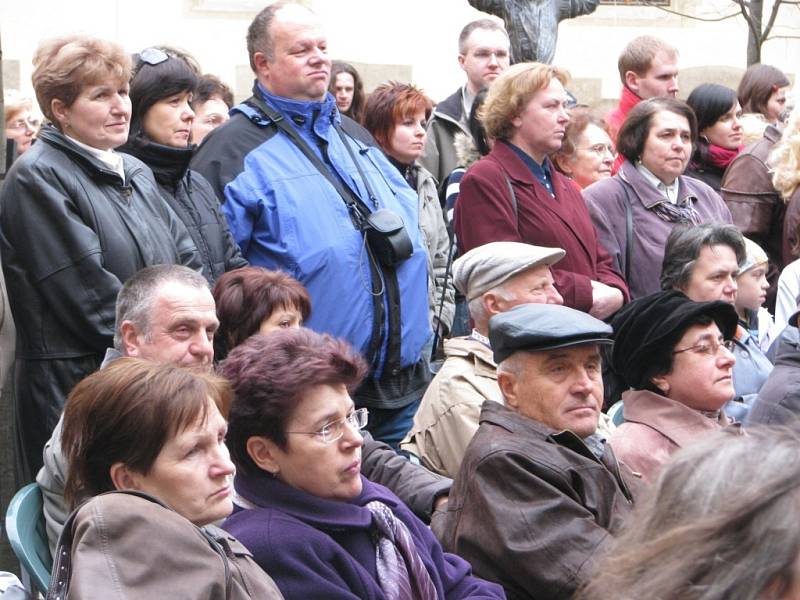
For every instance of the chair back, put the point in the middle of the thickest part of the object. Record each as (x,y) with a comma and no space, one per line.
(26,531)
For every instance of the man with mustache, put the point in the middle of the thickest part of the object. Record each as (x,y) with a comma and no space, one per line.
(538,492)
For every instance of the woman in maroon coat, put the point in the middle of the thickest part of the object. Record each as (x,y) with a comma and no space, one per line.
(515,194)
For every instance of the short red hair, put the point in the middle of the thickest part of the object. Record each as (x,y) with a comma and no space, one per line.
(389,104)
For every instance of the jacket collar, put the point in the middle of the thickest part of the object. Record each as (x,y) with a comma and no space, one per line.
(519,425)
(645,191)
(452,107)
(772,134)
(168,164)
(266,491)
(91,164)
(472,350)
(676,421)
(627,100)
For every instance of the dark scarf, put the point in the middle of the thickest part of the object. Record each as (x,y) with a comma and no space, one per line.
(168,164)
(409,172)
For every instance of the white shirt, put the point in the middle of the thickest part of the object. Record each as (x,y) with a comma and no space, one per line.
(108,157)
(669,191)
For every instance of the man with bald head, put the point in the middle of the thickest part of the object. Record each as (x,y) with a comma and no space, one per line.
(302,187)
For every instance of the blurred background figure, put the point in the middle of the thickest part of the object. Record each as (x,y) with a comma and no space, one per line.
(719,133)
(587,153)
(734,536)
(21,123)
(348,89)
(211,103)
(751,295)
(763,89)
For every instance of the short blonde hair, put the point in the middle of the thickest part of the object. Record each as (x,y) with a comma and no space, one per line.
(64,66)
(511,91)
(784,160)
(14,103)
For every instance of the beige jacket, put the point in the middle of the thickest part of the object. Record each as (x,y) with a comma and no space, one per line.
(448,416)
(125,546)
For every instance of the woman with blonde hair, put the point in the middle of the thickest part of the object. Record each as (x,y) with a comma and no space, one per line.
(78,219)
(21,124)
(515,194)
(784,162)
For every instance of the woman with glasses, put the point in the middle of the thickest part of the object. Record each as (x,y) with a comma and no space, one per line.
(78,219)
(674,356)
(21,125)
(635,210)
(161,92)
(150,473)
(310,518)
(587,153)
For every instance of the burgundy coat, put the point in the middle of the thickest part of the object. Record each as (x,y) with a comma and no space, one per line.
(484,213)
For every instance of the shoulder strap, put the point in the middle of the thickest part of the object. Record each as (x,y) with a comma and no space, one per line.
(280,122)
(628,231)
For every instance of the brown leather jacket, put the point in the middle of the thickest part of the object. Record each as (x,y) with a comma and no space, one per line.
(121,546)
(756,207)
(531,507)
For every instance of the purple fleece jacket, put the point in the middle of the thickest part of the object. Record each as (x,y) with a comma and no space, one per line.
(317,548)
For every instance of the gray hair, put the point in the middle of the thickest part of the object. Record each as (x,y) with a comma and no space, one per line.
(136,297)
(487,24)
(684,245)
(719,523)
(476,308)
(259,38)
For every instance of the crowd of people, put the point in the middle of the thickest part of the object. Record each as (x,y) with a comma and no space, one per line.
(325,343)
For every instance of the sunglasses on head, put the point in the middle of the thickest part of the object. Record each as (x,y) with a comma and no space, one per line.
(152,56)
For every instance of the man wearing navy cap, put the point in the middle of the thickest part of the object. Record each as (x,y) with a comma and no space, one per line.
(538,491)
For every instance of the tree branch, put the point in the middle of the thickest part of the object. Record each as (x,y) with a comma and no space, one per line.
(776,6)
(749,20)
(695,17)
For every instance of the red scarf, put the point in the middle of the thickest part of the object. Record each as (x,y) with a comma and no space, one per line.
(721,157)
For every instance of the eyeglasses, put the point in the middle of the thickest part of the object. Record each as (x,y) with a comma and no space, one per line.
(709,347)
(601,149)
(334,430)
(22,124)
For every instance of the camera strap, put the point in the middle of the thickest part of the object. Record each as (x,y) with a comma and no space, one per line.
(358,211)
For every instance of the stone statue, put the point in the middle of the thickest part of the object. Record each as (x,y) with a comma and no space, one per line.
(532,25)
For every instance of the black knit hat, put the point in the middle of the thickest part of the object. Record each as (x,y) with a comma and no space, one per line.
(648,328)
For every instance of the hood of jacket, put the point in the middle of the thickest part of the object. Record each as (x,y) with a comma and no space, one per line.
(466,151)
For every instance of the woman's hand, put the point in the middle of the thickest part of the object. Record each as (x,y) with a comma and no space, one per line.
(606,300)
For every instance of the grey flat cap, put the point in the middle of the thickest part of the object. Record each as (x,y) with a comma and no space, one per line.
(487,266)
(536,327)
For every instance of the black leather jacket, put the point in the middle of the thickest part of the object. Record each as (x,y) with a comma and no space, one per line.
(70,233)
(190,195)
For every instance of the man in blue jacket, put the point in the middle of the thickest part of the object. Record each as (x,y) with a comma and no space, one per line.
(298,182)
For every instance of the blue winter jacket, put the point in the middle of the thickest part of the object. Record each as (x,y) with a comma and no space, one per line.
(285,215)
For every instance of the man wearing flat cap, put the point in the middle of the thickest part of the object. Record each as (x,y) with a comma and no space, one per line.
(538,492)
(494,278)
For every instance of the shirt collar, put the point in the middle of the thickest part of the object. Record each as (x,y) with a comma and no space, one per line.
(107,157)
(669,191)
(540,171)
(479,337)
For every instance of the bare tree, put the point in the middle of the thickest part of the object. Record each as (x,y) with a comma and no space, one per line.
(752,11)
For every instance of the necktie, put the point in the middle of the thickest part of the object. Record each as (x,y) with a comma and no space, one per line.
(401,572)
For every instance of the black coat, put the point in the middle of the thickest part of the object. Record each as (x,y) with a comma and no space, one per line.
(70,233)
(778,401)
(190,195)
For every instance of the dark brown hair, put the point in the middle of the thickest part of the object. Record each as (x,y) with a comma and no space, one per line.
(356,110)
(125,413)
(758,83)
(388,105)
(634,131)
(209,86)
(270,373)
(247,297)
